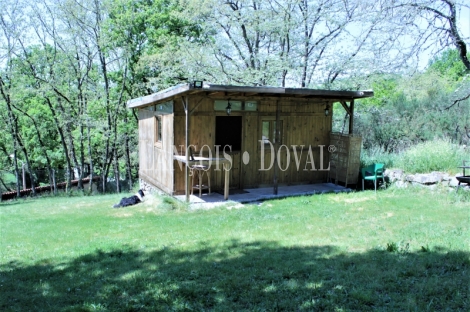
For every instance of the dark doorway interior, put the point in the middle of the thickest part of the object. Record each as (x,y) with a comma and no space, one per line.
(228,131)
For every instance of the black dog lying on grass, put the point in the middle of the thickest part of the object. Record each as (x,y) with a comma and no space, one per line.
(129,201)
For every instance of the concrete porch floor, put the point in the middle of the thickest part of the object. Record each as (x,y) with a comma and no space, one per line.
(260,194)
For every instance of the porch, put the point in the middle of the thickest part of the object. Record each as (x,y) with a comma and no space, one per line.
(260,194)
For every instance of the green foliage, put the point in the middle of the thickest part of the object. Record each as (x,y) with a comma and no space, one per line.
(144,29)
(385,89)
(448,64)
(425,157)
(378,155)
(7,181)
(419,108)
(437,155)
(68,90)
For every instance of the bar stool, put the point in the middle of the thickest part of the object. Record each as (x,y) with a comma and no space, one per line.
(200,171)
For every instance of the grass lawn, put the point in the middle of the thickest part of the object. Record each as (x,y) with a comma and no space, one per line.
(397,250)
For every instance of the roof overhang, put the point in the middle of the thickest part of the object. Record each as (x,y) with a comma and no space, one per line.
(226,90)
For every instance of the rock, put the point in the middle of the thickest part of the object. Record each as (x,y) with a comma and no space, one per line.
(446,177)
(453,182)
(442,175)
(401,184)
(427,178)
(392,175)
(430,180)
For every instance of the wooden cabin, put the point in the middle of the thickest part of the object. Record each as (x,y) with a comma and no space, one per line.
(287,127)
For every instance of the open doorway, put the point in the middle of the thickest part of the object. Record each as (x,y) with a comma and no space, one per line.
(228,131)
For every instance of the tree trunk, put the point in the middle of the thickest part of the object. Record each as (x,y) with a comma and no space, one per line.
(4,185)
(116,173)
(11,118)
(62,139)
(18,194)
(458,41)
(82,159)
(17,139)
(90,189)
(41,145)
(128,158)
(28,164)
(71,145)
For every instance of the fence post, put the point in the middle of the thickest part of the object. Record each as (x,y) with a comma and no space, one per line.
(53,181)
(24,176)
(67,185)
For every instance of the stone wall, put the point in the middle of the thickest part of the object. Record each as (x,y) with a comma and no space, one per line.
(401,179)
(149,188)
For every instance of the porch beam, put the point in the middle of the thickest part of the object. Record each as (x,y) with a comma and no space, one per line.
(346,108)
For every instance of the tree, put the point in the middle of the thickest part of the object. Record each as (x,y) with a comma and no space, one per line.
(308,43)
(75,63)
(448,63)
(439,21)
(11,30)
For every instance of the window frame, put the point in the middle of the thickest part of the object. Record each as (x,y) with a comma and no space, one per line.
(158,131)
(272,130)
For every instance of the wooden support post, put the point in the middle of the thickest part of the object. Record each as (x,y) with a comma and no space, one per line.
(351,117)
(276,148)
(186,142)
(227,181)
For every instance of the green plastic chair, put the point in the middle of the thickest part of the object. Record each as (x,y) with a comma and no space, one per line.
(373,173)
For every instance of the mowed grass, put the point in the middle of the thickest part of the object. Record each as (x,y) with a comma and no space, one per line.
(397,250)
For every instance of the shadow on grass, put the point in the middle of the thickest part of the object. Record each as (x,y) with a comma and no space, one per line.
(240,276)
(6,203)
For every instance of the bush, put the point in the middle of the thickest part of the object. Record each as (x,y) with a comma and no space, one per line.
(436,155)
(7,181)
(378,155)
(400,116)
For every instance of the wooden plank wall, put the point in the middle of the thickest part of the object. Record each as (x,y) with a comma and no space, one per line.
(156,162)
(146,139)
(304,123)
(202,128)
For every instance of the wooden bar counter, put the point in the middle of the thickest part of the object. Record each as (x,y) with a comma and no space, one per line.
(197,160)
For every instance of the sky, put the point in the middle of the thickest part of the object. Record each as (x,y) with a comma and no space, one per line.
(465,22)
